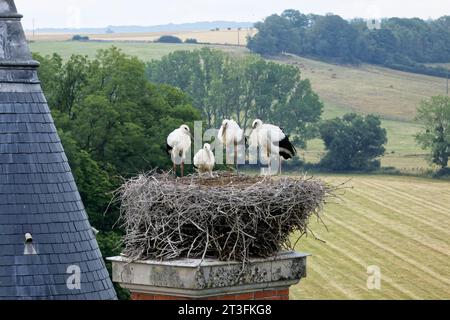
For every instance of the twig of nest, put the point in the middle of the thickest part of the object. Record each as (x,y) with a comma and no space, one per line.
(229,218)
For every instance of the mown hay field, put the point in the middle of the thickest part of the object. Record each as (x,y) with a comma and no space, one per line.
(400,224)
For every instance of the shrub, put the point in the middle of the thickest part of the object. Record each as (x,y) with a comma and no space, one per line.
(169,39)
(78,37)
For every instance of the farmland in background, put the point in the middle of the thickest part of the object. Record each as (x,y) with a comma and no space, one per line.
(393,95)
(225,37)
(143,50)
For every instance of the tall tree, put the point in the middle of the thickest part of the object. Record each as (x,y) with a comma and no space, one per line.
(353,143)
(242,88)
(434,115)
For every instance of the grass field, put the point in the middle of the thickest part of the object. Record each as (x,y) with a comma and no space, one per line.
(441,65)
(393,95)
(142,50)
(401,225)
(402,152)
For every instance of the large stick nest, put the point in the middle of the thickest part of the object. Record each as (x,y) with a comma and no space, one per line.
(228,218)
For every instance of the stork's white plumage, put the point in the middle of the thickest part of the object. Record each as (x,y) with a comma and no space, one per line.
(231,134)
(205,161)
(178,144)
(272,140)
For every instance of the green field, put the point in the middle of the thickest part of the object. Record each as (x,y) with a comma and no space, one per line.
(393,95)
(143,50)
(401,150)
(401,225)
(439,65)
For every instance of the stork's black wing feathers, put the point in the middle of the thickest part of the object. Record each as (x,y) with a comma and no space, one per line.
(287,149)
(169,149)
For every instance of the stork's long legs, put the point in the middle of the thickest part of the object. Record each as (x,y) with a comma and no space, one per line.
(279,169)
(174,169)
(182,169)
(236,156)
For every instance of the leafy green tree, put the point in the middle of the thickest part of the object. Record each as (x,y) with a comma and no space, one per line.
(434,115)
(334,38)
(242,88)
(64,82)
(114,113)
(353,143)
(380,45)
(297,19)
(113,123)
(279,34)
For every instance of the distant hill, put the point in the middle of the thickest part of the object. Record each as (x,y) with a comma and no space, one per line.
(197,26)
(405,44)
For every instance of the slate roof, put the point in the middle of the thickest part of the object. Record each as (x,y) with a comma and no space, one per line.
(38,194)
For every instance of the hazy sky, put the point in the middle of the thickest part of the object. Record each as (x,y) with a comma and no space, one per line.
(101,13)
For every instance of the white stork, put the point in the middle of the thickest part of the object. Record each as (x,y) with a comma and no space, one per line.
(205,161)
(230,134)
(273,141)
(178,144)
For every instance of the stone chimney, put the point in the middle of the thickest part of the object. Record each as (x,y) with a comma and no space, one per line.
(209,279)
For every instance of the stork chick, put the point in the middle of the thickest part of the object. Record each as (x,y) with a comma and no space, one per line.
(205,161)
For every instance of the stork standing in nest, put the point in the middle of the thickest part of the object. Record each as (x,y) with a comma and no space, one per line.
(231,134)
(272,141)
(178,144)
(205,161)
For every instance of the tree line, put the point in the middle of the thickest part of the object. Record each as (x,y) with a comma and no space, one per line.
(397,42)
